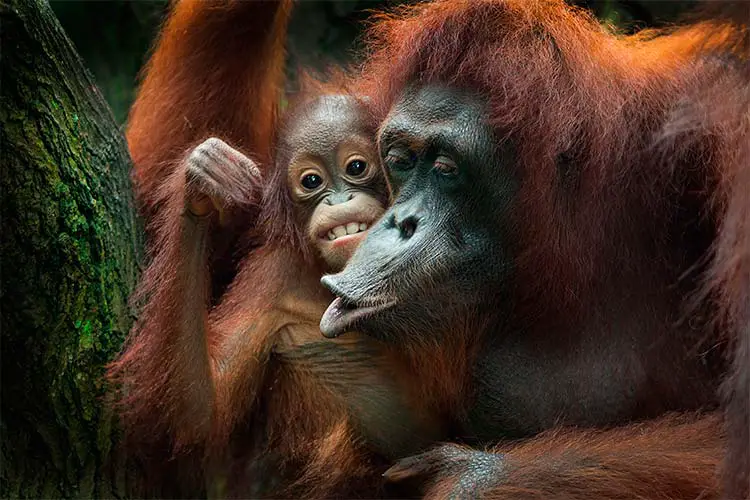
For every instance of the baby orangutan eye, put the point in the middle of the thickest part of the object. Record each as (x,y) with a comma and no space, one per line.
(311,181)
(355,168)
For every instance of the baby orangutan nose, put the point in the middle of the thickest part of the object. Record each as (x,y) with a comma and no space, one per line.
(337,230)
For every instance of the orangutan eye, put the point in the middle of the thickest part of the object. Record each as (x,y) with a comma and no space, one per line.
(311,181)
(355,168)
(446,166)
(400,159)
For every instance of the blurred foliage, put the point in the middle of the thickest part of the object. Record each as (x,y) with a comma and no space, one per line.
(114,36)
(632,15)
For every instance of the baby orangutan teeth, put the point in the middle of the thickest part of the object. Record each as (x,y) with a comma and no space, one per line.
(345,230)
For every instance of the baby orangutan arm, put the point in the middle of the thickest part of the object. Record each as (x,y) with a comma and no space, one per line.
(166,369)
(218,179)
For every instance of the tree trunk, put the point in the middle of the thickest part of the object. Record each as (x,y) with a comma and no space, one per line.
(70,254)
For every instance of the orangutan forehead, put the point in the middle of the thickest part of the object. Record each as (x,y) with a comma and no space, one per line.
(322,123)
(434,109)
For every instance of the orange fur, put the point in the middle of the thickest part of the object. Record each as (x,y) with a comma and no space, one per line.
(192,90)
(598,96)
(673,457)
(224,375)
(235,383)
(640,116)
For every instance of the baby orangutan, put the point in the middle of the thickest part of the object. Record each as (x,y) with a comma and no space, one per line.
(253,374)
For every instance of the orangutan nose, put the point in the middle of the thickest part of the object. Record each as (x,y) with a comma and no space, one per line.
(338,198)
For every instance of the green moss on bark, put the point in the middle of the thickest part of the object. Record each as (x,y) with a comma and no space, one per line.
(70,252)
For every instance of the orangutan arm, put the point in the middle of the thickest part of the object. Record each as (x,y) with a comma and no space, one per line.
(674,457)
(166,367)
(217,69)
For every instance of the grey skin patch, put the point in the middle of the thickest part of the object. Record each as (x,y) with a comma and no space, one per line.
(451,256)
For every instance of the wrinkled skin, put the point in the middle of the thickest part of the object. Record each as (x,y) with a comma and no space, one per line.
(443,254)
(437,256)
(330,144)
(431,257)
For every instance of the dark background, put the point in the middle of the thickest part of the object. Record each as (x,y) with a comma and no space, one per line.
(114,36)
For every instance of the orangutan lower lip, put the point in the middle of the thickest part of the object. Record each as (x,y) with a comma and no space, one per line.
(341,316)
(345,312)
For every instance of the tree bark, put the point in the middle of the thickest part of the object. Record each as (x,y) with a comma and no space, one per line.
(71,246)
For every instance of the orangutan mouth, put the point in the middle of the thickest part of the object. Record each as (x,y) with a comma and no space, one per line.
(342,316)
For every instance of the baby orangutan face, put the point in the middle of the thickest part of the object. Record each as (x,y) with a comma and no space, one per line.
(334,177)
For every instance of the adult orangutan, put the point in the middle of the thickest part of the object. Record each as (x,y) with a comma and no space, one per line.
(585,195)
